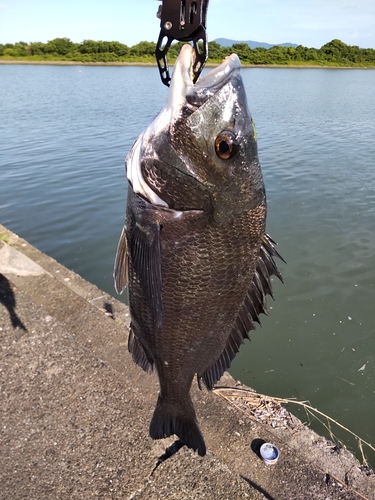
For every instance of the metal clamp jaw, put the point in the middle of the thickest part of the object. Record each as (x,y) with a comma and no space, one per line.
(185,21)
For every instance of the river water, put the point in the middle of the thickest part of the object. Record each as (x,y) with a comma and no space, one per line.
(64,134)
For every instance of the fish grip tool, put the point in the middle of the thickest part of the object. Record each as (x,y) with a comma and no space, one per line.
(184,21)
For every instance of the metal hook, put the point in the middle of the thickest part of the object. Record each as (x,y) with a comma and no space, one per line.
(182,20)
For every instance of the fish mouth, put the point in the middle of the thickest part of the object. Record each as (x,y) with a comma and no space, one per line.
(183,92)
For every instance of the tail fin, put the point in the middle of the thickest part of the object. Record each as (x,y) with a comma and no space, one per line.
(166,421)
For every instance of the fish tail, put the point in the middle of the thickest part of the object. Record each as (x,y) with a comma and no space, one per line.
(167,421)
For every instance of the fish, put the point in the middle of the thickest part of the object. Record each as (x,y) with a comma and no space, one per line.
(194,252)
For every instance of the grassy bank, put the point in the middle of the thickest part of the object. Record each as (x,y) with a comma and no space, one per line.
(151,62)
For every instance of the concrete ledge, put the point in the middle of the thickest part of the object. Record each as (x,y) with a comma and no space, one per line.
(76,410)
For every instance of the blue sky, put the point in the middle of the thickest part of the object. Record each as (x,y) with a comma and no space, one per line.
(308,22)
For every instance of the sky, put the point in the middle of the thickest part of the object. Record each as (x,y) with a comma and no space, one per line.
(311,23)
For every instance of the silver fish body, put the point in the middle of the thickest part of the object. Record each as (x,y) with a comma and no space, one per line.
(194,251)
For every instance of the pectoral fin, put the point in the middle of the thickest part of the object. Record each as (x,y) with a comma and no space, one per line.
(121,269)
(144,252)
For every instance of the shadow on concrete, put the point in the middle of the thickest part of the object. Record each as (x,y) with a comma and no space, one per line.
(169,452)
(258,488)
(255,446)
(8,298)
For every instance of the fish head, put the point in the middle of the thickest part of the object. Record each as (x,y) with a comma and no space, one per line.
(205,138)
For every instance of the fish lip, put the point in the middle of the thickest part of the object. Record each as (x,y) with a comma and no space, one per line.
(219,76)
(184,92)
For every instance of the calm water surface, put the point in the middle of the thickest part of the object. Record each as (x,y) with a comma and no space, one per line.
(64,134)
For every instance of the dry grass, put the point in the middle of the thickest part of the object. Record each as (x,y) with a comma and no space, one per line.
(267,409)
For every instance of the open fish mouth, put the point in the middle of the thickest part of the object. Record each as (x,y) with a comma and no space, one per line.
(184,92)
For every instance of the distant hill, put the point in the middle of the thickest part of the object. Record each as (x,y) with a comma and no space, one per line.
(225,42)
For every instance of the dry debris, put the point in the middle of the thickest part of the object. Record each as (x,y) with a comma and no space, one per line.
(261,408)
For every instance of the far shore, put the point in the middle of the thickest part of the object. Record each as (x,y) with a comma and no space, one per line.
(152,64)
(74,63)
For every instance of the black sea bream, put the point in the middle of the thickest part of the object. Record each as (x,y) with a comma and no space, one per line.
(194,251)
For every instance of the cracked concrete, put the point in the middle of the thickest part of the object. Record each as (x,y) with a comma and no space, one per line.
(75,409)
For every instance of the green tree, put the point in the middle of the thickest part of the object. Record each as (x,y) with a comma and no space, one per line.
(174,50)
(260,56)
(119,49)
(88,47)
(368,55)
(335,50)
(278,55)
(21,49)
(243,51)
(215,51)
(143,49)
(60,46)
(37,48)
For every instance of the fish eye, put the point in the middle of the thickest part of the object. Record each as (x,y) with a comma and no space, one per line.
(226,145)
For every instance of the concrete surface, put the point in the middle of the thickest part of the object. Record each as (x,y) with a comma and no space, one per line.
(75,410)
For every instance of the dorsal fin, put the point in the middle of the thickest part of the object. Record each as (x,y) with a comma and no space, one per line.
(253,305)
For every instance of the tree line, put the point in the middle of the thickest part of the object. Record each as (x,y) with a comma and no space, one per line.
(334,53)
